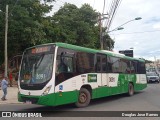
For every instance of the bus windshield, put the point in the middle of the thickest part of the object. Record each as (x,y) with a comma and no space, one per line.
(36,67)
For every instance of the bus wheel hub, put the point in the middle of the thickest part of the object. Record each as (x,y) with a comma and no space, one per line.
(83,98)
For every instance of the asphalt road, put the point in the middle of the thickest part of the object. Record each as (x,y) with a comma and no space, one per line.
(146,100)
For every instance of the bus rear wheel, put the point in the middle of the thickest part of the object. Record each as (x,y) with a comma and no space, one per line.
(84,98)
(130,89)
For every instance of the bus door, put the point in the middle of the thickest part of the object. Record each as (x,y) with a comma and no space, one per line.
(141,72)
(135,65)
(101,69)
(65,64)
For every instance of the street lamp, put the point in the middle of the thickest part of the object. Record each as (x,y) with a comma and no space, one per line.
(5,49)
(120,27)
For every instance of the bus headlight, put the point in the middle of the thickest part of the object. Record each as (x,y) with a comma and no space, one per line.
(47,90)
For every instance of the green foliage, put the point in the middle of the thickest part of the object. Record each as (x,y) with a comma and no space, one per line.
(25,25)
(108,42)
(76,25)
(29,25)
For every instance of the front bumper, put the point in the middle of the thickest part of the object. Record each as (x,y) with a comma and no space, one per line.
(48,100)
(153,80)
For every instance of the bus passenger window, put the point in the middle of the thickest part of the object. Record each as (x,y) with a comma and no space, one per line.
(132,68)
(109,64)
(62,67)
(64,64)
(98,63)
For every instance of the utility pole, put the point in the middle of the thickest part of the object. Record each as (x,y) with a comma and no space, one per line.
(5,51)
(100,28)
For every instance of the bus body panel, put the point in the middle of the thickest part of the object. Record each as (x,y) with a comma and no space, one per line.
(67,91)
(65,95)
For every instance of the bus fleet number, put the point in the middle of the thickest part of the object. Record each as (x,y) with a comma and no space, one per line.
(111,79)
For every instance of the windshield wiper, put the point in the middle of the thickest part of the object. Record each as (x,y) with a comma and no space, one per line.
(39,61)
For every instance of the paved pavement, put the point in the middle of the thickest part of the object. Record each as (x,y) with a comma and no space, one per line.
(11,95)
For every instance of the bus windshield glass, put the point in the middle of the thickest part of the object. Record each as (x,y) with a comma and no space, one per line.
(37,65)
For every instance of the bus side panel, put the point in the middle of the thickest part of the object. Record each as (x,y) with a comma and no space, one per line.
(48,100)
(141,82)
(110,88)
(100,92)
(125,79)
(117,84)
(139,87)
(66,97)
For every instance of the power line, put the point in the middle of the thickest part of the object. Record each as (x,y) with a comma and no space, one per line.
(113,12)
(138,32)
(13,7)
(111,8)
(107,9)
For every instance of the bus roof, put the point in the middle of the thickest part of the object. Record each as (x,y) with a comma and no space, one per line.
(84,49)
(65,45)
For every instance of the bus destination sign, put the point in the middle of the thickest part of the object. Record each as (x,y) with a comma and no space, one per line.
(40,49)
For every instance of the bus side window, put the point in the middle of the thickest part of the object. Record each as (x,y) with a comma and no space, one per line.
(68,61)
(135,65)
(85,62)
(65,67)
(141,68)
(109,64)
(62,67)
(64,64)
(115,64)
(125,66)
(104,63)
(132,67)
(98,64)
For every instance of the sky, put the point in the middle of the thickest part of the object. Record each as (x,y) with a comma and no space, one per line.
(141,35)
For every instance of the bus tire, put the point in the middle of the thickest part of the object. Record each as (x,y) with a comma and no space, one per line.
(84,98)
(130,89)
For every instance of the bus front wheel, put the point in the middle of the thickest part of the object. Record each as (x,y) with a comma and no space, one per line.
(84,98)
(130,89)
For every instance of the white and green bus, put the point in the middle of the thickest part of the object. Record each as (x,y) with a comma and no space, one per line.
(58,73)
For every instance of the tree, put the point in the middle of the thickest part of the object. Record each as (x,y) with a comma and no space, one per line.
(76,25)
(108,43)
(27,24)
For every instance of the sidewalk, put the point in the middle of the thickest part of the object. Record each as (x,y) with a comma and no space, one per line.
(11,95)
